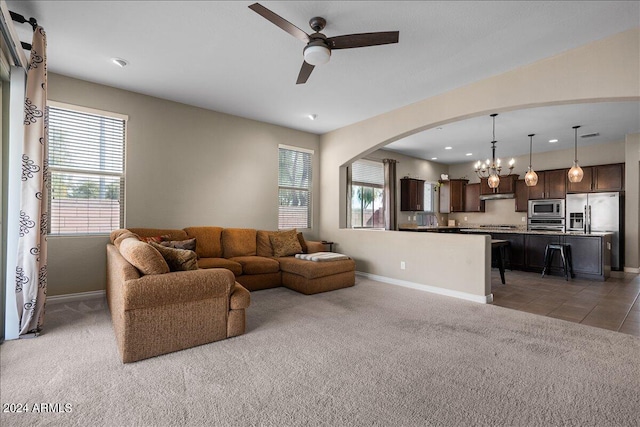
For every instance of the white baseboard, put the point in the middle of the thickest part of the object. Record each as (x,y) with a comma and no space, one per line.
(488,299)
(632,270)
(58,299)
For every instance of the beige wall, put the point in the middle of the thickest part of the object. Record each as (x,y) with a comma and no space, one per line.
(604,70)
(632,204)
(185,166)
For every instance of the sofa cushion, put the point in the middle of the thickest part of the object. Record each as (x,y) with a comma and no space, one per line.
(143,256)
(238,242)
(120,237)
(285,243)
(177,259)
(208,241)
(235,267)
(263,242)
(257,264)
(313,270)
(188,245)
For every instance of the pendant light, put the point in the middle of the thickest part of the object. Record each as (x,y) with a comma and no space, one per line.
(531,177)
(575,173)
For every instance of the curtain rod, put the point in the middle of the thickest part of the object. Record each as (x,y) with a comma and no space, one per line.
(22,20)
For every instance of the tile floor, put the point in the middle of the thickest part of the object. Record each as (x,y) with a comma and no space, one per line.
(613,304)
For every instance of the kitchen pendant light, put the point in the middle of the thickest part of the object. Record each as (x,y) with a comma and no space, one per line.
(531,177)
(491,169)
(575,173)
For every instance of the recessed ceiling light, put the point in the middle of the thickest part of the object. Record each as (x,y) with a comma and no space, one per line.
(439,128)
(469,154)
(434,158)
(553,141)
(312,116)
(448,148)
(119,62)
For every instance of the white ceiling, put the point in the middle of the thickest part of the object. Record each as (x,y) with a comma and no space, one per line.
(223,56)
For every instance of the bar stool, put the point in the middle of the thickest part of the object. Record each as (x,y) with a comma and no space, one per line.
(565,254)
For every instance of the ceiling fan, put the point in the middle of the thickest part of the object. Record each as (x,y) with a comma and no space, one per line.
(319,47)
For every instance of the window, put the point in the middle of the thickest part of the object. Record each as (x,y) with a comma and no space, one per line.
(294,187)
(86,164)
(367,194)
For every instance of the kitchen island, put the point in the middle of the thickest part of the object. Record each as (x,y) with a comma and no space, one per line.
(591,252)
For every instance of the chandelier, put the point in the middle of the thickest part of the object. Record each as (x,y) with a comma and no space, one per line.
(491,168)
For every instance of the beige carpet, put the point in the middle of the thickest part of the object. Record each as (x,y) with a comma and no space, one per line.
(374,354)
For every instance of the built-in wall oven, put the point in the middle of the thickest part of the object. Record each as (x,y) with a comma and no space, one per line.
(546,215)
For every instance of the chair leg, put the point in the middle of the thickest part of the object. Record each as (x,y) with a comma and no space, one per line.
(546,261)
(565,269)
(570,260)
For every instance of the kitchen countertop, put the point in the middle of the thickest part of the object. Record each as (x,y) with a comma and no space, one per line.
(487,230)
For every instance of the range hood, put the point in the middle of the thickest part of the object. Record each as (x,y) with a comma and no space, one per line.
(497,196)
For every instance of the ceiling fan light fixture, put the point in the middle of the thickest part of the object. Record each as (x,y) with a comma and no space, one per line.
(317,54)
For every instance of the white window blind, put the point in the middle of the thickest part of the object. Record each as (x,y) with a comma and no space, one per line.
(294,188)
(86,163)
(429,197)
(368,172)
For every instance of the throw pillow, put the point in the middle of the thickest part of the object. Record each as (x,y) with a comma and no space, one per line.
(189,244)
(177,259)
(285,243)
(143,256)
(156,239)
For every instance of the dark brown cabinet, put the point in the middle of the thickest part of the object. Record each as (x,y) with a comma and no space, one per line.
(452,194)
(552,184)
(472,202)
(535,245)
(507,185)
(609,177)
(411,194)
(585,185)
(514,253)
(522,196)
(586,254)
(599,178)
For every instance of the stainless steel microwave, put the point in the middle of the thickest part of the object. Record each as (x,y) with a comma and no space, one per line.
(546,208)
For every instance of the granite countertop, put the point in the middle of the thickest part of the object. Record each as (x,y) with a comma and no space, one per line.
(521,231)
(497,229)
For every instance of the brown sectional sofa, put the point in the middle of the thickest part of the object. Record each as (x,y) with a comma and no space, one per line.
(248,253)
(162,312)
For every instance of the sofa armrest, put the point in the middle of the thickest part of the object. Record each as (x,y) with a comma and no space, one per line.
(315,246)
(156,290)
(240,297)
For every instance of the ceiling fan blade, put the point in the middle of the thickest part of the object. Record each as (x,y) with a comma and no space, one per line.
(305,72)
(280,22)
(362,40)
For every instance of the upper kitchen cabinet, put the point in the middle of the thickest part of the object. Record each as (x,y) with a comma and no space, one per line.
(452,195)
(411,194)
(609,177)
(507,185)
(552,184)
(522,196)
(599,178)
(472,202)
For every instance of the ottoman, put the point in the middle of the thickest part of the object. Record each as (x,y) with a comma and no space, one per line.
(312,277)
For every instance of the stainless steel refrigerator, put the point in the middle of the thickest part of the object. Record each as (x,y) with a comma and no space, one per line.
(597,212)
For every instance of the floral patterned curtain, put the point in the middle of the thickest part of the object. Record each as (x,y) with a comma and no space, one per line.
(31,269)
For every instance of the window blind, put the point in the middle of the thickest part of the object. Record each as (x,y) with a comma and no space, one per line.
(367,172)
(294,188)
(86,165)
